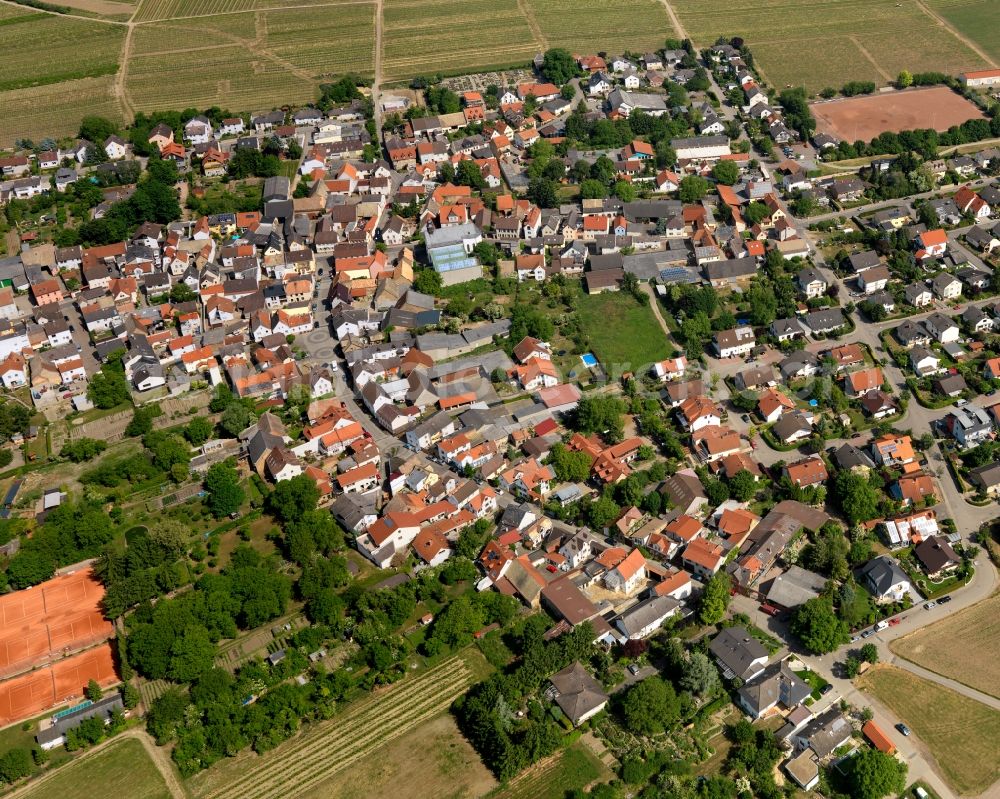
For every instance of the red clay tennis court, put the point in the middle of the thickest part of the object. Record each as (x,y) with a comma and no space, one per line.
(31,694)
(56,617)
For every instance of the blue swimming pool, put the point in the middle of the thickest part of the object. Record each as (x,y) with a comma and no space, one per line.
(588,360)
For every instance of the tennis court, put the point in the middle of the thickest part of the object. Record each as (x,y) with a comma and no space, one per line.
(31,694)
(57,617)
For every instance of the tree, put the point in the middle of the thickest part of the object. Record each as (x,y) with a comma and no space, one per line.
(82,449)
(182,292)
(904,80)
(543,192)
(225,495)
(693,189)
(569,466)
(603,512)
(743,486)
(872,774)
(726,172)
(199,430)
(559,66)
(29,567)
(699,675)
(592,189)
(818,627)
(191,654)
(755,212)
(857,497)
(869,653)
(292,498)
(235,419)
(15,764)
(96,129)
(142,420)
(428,281)
(94,692)
(715,599)
(624,191)
(108,388)
(600,414)
(649,707)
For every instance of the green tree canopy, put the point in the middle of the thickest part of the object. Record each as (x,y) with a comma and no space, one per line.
(818,627)
(650,707)
(872,774)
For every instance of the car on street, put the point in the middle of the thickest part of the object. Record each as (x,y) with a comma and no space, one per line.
(867,633)
(894,621)
(746,417)
(855,639)
(929,605)
(945,598)
(903,729)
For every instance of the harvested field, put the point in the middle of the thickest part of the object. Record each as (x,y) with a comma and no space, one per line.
(59,616)
(23,37)
(866,117)
(447,764)
(152,10)
(329,748)
(963,735)
(122,768)
(428,36)
(613,25)
(962,646)
(848,40)
(104,8)
(31,694)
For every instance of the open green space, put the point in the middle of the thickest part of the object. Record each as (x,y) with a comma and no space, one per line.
(121,769)
(979,20)
(963,735)
(624,335)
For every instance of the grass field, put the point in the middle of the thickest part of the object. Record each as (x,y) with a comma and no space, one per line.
(962,646)
(56,110)
(427,36)
(979,20)
(963,735)
(327,749)
(624,335)
(799,44)
(122,769)
(573,768)
(613,25)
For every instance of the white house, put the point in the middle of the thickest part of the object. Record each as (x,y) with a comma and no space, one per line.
(628,574)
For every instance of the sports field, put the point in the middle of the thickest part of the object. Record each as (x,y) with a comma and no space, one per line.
(59,616)
(962,646)
(866,117)
(30,694)
(123,768)
(327,749)
(962,735)
(819,45)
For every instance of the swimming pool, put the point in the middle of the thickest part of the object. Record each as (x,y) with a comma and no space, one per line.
(588,360)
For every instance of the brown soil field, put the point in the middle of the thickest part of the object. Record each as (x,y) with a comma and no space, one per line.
(106,8)
(866,117)
(962,646)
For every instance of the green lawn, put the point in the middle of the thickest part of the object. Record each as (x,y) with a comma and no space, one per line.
(624,335)
(815,682)
(575,768)
(121,769)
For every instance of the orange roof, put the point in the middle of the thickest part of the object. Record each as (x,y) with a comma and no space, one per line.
(874,733)
(703,553)
(611,557)
(672,582)
(982,73)
(629,567)
(931,237)
(684,527)
(736,522)
(429,543)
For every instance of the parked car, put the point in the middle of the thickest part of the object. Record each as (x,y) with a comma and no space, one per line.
(894,621)
(825,689)
(945,598)
(903,729)
(929,605)
(882,625)
(634,668)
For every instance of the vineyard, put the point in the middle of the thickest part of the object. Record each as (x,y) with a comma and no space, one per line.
(56,110)
(611,25)
(428,36)
(330,747)
(324,41)
(153,10)
(41,49)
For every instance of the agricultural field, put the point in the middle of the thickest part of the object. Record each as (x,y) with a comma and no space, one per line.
(122,768)
(849,40)
(428,36)
(604,316)
(151,10)
(24,37)
(979,20)
(118,10)
(961,646)
(963,735)
(573,768)
(615,25)
(327,749)
(322,41)
(56,110)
